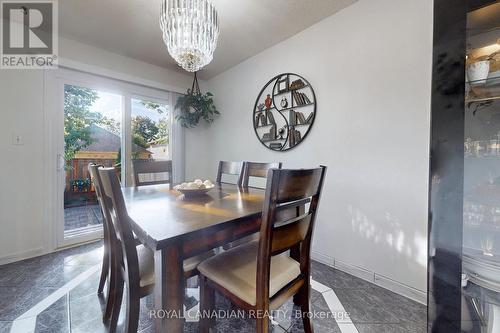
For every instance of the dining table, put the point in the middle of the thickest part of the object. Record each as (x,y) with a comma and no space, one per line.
(176,227)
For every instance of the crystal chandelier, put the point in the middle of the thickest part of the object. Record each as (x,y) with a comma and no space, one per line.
(190,31)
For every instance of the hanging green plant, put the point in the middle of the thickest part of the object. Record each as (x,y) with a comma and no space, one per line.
(195,106)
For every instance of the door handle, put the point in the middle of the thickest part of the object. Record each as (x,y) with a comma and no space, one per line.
(60,162)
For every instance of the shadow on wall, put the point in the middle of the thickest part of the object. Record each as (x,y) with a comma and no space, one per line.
(389,233)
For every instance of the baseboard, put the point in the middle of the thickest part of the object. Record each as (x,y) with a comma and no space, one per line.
(401,289)
(323,258)
(357,271)
(38,252)
(21,255)
(380,280)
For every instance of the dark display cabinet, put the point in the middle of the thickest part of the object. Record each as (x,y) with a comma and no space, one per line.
(464,206)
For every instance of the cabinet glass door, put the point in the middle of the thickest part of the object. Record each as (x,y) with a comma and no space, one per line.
(481,190)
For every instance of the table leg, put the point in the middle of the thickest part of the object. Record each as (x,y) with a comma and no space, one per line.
(169,290)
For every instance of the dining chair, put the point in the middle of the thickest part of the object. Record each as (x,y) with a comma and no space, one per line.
(132,264)
(106,259)
(151,167)
(257,170)
(261,276)
(229,168)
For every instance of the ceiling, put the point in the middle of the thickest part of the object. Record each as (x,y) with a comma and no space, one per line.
(130,27)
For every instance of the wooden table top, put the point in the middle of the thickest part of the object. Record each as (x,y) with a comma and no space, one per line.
(161,215)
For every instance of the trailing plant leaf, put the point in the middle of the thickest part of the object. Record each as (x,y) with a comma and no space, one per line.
(195,106)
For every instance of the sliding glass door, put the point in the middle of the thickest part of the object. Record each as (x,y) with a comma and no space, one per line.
(150,133)
(92,134)
(101,121)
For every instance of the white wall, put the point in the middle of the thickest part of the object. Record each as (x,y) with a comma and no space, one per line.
(370,66)
(23,198)
(21,167)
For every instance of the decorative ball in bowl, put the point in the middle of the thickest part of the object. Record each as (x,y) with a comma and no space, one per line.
(194,188)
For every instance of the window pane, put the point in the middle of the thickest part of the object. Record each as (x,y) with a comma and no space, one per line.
(150,134)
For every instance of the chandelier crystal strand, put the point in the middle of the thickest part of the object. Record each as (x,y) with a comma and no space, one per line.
(190,31)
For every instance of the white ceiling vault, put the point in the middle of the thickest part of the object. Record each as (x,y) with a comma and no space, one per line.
(131,28)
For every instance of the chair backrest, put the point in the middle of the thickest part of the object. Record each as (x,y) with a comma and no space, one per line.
(258,170)
(230,168)
(285,190)
(151,167)
(114,204)
(110,238)
(94,176)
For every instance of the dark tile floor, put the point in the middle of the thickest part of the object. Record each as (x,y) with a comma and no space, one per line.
(81,217)
(24,284)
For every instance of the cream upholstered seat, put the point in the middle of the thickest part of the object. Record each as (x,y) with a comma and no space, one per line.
(236,271)
(146,264)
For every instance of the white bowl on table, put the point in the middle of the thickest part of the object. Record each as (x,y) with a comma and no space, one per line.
(195,188)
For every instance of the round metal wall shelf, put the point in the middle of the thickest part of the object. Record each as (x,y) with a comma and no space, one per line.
(284,112)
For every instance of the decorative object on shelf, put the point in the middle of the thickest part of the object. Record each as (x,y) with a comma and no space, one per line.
(283,85)
(268,102)
(281,132)
(289,114)
(477,72)
(195,106)
(190,31)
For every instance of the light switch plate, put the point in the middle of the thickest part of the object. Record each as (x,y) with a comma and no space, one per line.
(17,140)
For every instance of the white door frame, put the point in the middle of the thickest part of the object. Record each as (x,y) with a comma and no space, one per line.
(54,142)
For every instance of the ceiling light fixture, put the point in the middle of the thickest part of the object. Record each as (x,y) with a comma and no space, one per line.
(190,31)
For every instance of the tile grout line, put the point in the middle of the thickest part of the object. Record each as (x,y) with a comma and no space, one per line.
(335,306)
(69,312)
(27,321)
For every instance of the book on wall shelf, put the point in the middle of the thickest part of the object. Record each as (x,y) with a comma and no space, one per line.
(309,118)
(300,98)
(275,145)
(261,120)
(297,84)
(298,118)
(301,120)
(294,137)
(270,117)
(271,135)
(292,118)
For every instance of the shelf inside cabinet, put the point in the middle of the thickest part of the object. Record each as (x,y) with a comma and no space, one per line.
(483,90)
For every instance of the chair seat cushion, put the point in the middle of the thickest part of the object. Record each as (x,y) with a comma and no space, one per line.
(147,264)
(236,271)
